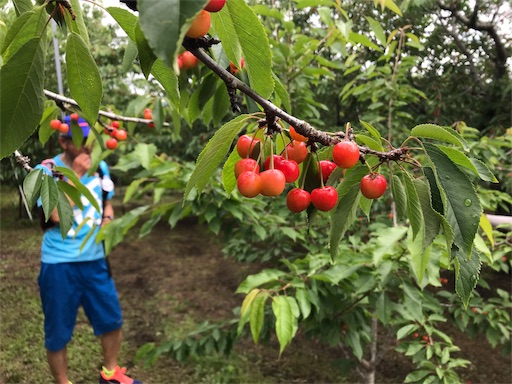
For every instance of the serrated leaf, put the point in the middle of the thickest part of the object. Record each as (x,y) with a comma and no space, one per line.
(228,172)
(126,20)
(261,278)
(146,55)
(48,196)
(168,79)
(437,132)
(458,158)
(83,77)
(71,192)
(377,30)
(213,154)
(65,212)
(284,321)
(71,175)
(414,212)
(483,171)
(398,191)
(32,186)
(486,226)
(165,30)
(304,302)
(243,35)
(386,242)
(21,95)
(257,315)
(343,216)
(462,206)
(431,218)
(370,128)
(144,153)
(467,273)
(78,24)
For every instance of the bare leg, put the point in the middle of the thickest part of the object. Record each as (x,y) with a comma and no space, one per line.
(58,362)
(111,345)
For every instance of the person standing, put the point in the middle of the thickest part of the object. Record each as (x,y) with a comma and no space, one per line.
(74,270)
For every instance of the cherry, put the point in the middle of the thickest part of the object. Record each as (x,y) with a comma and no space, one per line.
(290,168)
(415,335)
(200,25)
(234,69)
(297,151)
(64,128)
(215,5)
(327,167)
(55,124)
(324,199)
(111,144)
(74,116)
(179,61)
(188,60)
(121,135)
(245,145)
(425,338)
(345,154)
(277,160)
(273,182)
(247,164)
(373,185)
(115,124)
(297,136)
(249,184)
(148,114)
(298,200)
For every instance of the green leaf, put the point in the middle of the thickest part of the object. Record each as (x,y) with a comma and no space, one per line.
(145,153)
(71,175)
(65,212)
(165,23)
(458,158)
(386,242)
(467,273)
(377,30)
(405,330)
(398,191)
(462,206)
(414,212)
(48,196)
(71,192)
(50,112)
(280,91)
(304,302)
(247,303)
(166,76)
(78,24)
(336,273)
(343,216)
(285,321)
(484,171)
(213,154)
(221,104)
(21,95)
(146,55)
(436,132)
(126,20)
(243,35)
(83,77)
(22,6)
(28,26)
(264,277)
(228,172)
(373,131)
(257,315)
(431,218)
(364,40)
(486,226)
(32,186)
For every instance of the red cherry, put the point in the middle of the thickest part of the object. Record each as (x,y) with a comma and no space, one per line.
(115,124)
(55,124)
(324,199)
(277,160)
(345,154)
(121,135)
(290,168)
(373,186)
(215,5)
(179,60)
(151,125)
(245,145)
(74,116)
(425,338)
(415,335)
(249,184)
(297,136)
(64,128)
(188,60)
(111,144)
(273,182)
(298,200)
(327,167)
(297,151)
(247,164)
(200,25)
(148,114)
(234,69)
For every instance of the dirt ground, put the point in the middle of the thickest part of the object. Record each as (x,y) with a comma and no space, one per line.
(172,279)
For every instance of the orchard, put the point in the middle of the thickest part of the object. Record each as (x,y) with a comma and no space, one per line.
(335,142)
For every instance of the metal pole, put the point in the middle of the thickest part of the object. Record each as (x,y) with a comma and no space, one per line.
(56,54)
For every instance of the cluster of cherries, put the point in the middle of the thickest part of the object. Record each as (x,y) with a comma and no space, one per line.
(281,169)
(116,134)
(63,128)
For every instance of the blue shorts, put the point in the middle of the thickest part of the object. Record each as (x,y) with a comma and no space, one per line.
(66,286)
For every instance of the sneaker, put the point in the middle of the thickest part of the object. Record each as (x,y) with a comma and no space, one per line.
(118,377)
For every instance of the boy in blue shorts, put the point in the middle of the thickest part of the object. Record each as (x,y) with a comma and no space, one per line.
(71,276)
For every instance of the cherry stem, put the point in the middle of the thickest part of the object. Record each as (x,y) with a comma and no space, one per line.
(320,169)
(305,169)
